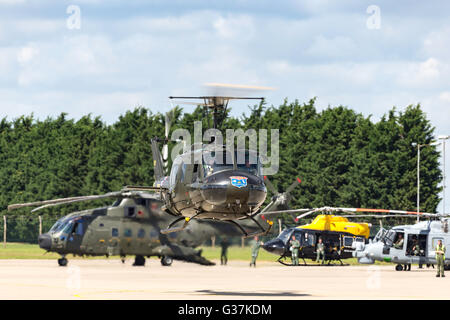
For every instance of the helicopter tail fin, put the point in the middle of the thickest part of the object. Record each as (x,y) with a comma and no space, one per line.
(157,161)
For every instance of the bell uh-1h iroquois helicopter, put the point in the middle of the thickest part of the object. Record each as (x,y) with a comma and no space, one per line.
(212,181)
(342,239)
(407,244)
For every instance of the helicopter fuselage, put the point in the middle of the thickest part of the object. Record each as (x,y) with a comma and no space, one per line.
(214,191)
(130,227)
(404,245)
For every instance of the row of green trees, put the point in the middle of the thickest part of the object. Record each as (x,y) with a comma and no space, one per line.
(343,158)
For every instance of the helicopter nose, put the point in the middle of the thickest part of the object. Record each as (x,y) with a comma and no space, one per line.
(234,187)
(45,241)
(275,246)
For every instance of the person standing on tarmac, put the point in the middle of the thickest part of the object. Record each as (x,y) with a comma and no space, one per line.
(255,250)
(224,244)
(440,258)
(295,245)
(320,250)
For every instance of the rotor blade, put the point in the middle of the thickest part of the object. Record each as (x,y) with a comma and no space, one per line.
(402,212)
(293,185)
(377,216)
(306,214)
(219,97)
(354,210)
(168,118)
(287,211)
(196,103)
(224,89)
(142,188)
(77,200)
(270,186)
(62,200)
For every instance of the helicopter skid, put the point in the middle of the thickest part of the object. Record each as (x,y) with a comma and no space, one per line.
(262,231)
(176,229)
(329,264)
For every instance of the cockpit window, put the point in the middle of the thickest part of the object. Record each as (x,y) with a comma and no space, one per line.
(60,224)
(247,161)
(117,202)
(285,235)
(216,161)
(391,238)
(68,227)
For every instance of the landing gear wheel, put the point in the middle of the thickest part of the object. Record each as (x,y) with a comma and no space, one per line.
(398,267)
(166,261)
(62,262)
(139,261)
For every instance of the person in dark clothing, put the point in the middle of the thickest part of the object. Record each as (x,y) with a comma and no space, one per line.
(224,251)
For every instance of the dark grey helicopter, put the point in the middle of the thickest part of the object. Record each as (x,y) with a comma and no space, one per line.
(213,182)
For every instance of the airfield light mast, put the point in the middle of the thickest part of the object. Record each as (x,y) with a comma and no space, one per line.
(414,144)
(443,138)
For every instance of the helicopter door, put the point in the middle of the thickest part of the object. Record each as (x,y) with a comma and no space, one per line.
(98,238)
(113,247)
(416,245)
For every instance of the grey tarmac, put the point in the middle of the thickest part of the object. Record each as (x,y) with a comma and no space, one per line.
(110,279)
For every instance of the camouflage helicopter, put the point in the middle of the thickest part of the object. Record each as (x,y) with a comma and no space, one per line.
(130,226)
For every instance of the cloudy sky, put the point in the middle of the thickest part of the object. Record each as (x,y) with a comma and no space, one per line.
(105,57)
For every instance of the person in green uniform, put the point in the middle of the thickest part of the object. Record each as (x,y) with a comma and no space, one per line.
(440,258)
(416,248)
(255,250)
(320,250)
(295,245)
(224,244)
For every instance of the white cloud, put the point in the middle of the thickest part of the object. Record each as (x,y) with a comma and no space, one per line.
(121,58)
(26,54)
(445,97)
(339,46)
(436,43)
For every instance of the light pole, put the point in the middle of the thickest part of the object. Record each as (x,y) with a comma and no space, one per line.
(443,138)
(414,144)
